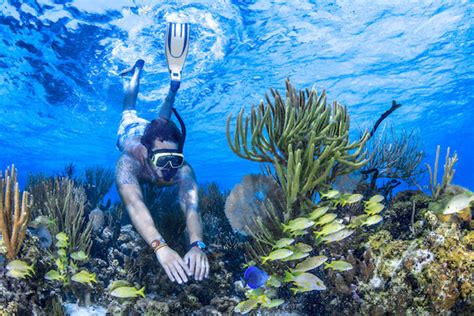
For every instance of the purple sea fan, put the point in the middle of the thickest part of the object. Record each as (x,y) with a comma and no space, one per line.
(246,202)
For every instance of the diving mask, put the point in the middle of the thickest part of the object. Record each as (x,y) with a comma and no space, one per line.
(166,158)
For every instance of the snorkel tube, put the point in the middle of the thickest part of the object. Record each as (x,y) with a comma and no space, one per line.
(183,130)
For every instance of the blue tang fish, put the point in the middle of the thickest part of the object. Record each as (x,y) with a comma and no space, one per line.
(260,196)
(254,277)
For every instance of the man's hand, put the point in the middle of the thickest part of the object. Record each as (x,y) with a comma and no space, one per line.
(198,263)
(174,266)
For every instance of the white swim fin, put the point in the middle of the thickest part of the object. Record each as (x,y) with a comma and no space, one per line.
(176,48)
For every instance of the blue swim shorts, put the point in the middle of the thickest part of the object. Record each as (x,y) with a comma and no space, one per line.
(130,126)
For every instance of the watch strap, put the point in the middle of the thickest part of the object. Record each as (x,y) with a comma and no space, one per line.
(198,244)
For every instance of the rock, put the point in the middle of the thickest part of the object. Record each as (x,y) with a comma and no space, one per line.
(107,234)
(97,218)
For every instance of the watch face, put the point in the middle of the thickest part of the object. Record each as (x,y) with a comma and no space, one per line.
(201,245)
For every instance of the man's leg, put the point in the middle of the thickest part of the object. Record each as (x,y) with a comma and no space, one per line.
(130,123)
(131,89)
(167,106)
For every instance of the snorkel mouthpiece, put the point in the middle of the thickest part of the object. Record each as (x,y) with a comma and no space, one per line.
(169,173)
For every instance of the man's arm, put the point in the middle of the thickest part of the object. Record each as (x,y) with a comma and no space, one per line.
(188,198)
(131,194)
(129,189)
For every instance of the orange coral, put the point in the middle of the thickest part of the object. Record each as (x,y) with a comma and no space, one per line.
(13,214)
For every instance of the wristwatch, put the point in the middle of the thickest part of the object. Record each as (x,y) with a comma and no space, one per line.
(198,244)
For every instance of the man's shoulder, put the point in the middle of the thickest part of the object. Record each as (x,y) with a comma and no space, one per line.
(126,160)
(186,171)
(127,170)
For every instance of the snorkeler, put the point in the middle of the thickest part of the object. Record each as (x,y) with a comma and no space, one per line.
(153,152)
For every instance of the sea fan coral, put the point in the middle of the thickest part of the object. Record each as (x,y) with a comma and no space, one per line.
(246,202)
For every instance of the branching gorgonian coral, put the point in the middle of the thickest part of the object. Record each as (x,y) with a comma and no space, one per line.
(305,139)
(395,156)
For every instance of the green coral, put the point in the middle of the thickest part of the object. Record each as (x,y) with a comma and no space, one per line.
(63,201)
(438,189)
(305,139)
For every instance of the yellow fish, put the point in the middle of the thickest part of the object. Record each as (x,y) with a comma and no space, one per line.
(79,255)
(458,203)
(20,265)
(128,291)
(277,255)
(317,213)
(283,243)
(297,224)
(373,208)
(18,274)
(302,247)
(326,219)
(338,265)
(375,199)
(308,282)
(372,220)
(84,277)
(310,263)
(296,256)
(62,236)
(331,194)
(330,228)
(340,235)
(349,199)
(54,275)
(246,306)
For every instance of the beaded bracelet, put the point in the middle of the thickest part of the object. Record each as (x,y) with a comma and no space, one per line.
(158,244)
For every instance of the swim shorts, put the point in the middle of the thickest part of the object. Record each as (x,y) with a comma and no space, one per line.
(130,126)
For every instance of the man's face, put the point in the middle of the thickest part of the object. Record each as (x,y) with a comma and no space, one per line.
(157,144)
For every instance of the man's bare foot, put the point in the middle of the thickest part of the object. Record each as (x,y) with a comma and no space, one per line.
(138,64)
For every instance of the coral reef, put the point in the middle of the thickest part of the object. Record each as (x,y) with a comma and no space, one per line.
(412,263)
(127,257)
(431,274)
(404,271)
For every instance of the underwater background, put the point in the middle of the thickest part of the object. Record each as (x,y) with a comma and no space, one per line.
(61,94)
(60,105)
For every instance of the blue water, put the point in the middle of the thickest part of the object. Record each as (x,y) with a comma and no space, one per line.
(61,95)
